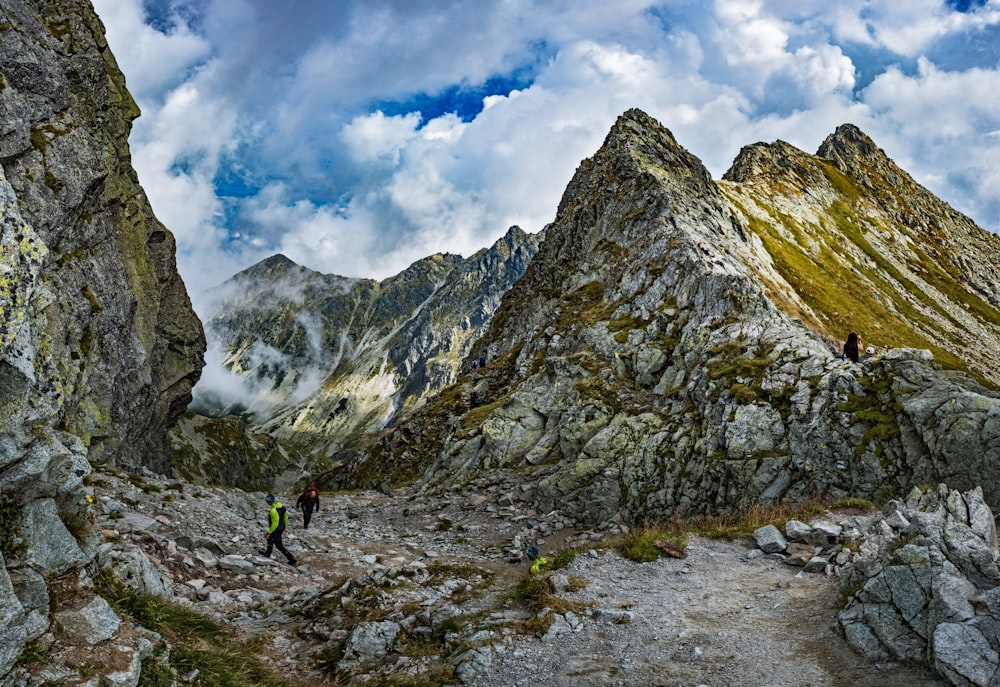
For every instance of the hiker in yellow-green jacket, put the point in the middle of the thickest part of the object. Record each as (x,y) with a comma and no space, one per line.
(277,520)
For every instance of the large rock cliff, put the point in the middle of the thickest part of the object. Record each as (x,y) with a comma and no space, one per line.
(99,346)
(671,347)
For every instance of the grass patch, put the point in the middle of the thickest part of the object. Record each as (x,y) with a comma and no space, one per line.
(565,556)
(741,524)
(535,593)
(639,545)
(199,642)
(853,503)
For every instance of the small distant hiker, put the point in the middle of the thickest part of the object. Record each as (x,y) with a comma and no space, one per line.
(308,500)
(852,347)
(277,519)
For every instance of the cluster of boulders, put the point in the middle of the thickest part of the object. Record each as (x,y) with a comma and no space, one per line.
(820,547)
(930,590)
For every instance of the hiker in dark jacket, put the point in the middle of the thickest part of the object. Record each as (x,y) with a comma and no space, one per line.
(277,520)
(308,500)
(851,347)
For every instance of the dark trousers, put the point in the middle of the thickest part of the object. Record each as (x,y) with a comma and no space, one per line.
(274,540)
(307,513)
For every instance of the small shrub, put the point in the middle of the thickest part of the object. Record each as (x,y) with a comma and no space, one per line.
(32,654)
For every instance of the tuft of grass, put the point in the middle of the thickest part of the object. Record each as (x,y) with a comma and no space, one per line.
(565,557)
(639,545)
(853,503)
(199,642)
(32,654)
(156,672)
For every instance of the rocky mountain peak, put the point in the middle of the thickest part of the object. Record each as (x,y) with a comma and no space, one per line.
(848,145)
(275,264)
(672,346)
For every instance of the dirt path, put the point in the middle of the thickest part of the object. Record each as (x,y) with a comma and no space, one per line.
(711,619)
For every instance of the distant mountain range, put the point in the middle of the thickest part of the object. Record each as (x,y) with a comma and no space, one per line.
(326,360)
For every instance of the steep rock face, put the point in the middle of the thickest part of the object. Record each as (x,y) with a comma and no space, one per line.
(108,347)
(929,593)
(655,358)
(99,346)
(326,359)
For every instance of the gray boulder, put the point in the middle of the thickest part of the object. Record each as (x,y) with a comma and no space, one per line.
(51,549)
(131,565)
(19,622)
(369,642)
(770,540)
(93,623)
(236,564)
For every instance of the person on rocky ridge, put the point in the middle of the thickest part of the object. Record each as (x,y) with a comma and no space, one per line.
(278,520)
(852,347)
(307,501)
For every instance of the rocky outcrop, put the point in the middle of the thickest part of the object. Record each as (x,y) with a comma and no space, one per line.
(670,348)
(930,592)
(325,359)
(99,346)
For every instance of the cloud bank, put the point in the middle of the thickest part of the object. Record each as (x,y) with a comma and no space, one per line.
(356,137)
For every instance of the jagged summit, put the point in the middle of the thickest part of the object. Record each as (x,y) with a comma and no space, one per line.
(849,143)
(855,243)
(671,347)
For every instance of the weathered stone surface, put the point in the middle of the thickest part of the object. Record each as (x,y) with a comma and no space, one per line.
(472,662)
(770,540)
(963,655)
(369,641)
(99,345)
(52,549)
(931,597)
(133,568)
(92,623)
(20,620)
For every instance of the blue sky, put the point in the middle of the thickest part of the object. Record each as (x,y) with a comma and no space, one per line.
(356,136)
